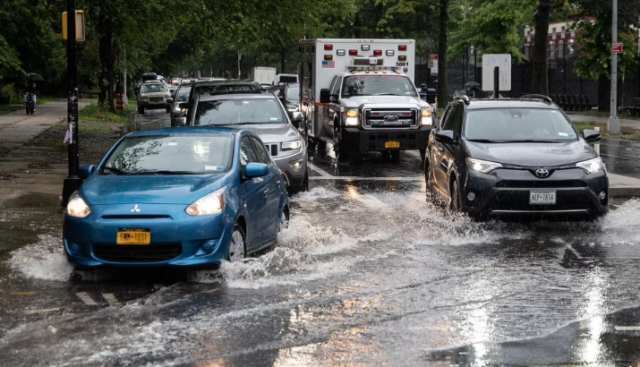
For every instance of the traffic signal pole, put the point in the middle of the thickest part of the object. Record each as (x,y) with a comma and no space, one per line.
(72,183)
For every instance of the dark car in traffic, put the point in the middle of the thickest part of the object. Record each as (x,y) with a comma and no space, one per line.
(289,95)
(178,114)
(514,158)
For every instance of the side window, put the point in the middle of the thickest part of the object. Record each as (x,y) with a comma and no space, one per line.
(336,87)
(445,117)
(333,84)
(247,154)
(454,122)
(261,154)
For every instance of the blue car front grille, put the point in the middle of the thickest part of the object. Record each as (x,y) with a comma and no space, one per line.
(151,253)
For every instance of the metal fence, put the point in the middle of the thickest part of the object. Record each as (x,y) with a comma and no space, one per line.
(562,77)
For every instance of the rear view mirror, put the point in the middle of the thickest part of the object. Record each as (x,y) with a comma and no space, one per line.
(591,136)
(325,96)
(445,136)
(253,170)
(85,171)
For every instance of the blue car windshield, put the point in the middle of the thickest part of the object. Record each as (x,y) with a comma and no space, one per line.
(170,155)
(243,111)
(512,125)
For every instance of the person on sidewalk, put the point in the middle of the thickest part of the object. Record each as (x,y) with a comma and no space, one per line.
(31,92)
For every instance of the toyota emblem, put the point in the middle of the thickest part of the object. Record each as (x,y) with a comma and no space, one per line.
(542,173)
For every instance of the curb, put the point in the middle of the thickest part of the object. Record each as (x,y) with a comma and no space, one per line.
(615,192)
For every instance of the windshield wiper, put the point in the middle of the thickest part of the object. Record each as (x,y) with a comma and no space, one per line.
(484,141)
(117,171)
(167,172)
(530,141)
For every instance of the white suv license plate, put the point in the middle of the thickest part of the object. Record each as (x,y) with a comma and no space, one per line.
(542,197)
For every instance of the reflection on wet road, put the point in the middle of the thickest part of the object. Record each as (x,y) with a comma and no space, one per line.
(367,274)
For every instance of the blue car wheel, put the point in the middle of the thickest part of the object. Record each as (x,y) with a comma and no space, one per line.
(237,245)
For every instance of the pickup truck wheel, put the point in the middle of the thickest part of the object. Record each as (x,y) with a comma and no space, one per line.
(341,155)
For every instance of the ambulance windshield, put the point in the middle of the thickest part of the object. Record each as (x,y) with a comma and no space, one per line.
(378,85)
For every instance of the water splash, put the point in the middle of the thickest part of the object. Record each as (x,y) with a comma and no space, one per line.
(44,259)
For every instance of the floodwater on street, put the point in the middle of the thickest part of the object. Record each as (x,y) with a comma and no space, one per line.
(368,273)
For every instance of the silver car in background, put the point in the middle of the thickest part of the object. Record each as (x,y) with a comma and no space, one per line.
(154,95)
(263,114)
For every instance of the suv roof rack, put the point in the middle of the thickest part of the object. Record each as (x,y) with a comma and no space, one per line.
(545,99)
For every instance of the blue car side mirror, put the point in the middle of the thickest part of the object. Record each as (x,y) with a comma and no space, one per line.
(85,171)
(256,170)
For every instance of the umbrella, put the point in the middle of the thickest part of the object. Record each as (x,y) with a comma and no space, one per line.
(472,84)
(33,77)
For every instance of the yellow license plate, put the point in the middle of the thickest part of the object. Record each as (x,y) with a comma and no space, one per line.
(392,144)
(134,237)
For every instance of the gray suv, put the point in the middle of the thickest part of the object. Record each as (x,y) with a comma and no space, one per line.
(263,114)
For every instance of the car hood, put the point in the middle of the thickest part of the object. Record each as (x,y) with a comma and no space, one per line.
(532,154)
(272,133)
(353,102)
(160,189)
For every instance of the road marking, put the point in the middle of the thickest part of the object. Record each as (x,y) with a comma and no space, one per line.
(355,178)
(86,298)
(322,172)
(627,328)
(23,294)
(111,299)
(371,201)
(41,311)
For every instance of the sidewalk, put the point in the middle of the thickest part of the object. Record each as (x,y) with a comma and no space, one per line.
(628,123)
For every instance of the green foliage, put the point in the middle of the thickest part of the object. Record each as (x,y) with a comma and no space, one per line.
(493,26)
(594,38)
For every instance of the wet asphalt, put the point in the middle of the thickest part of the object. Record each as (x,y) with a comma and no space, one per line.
(368,273)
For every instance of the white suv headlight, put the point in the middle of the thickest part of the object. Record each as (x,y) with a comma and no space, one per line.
(77,207)
(592,165)
(291,145)
(481,166)
(207,205)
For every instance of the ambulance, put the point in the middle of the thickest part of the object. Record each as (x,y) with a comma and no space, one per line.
(360,95)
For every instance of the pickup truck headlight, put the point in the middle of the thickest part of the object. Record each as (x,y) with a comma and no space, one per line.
(481,166)
(291,145)
(207,205)
(351,117)
(592,165)
(427,118)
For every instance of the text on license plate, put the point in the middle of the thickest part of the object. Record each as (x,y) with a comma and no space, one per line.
(392,144)
(542,197)
(134,237)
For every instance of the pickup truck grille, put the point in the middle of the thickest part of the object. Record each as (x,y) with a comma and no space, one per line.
(156,99)
(390,118)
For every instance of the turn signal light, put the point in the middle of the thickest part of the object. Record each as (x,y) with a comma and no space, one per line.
(352,113)
(328,57)
(402,58)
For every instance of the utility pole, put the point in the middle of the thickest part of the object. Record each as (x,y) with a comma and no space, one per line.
(124,78)
(72,183)
(614,123)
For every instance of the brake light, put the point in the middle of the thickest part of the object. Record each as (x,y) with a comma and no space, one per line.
(377,53)
(402,48)
(328,47)
(353,52)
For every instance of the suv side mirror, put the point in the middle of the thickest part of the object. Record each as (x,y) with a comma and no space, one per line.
(253,170)
(591,136)
(325,95)
(445,136)
(296,118)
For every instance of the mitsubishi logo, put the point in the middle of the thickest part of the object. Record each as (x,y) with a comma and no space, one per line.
(542,173)
(135,209)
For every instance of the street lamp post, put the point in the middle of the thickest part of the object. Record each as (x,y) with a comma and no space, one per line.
(72,183)
(614,123)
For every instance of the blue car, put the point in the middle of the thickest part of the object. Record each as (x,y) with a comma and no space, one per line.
(183,197)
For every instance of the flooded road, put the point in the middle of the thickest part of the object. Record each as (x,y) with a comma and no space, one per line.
(368,273)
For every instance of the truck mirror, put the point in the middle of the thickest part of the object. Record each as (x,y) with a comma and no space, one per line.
(333,98)
(325,95)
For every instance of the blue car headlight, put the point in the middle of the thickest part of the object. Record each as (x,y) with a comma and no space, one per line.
(77,207)
(207,205)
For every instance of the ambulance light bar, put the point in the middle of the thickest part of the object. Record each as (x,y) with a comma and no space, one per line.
(373,68)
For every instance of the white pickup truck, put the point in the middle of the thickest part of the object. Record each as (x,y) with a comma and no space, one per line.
(360,95)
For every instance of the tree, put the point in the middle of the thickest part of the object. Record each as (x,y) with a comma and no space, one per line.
(594,40)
